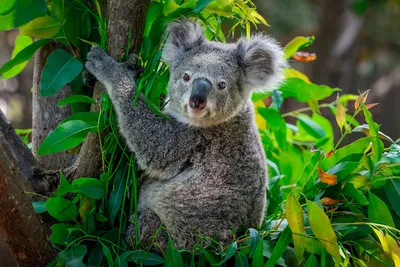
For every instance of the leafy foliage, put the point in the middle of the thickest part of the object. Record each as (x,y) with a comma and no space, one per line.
(328,203)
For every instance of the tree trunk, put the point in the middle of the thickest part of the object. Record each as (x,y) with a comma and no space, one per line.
(124,16)
(21,172)
(25,233)
(46,114)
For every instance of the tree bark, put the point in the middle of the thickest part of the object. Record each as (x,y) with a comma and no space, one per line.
(124,16)
(25,233)
(21,172)
(46,114)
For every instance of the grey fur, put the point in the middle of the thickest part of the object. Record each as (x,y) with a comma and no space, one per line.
(207,172)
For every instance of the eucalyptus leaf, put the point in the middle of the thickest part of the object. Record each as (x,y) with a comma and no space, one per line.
(61,68)
(65,136)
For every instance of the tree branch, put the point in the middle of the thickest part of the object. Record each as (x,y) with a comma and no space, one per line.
(124,17)
(25,233)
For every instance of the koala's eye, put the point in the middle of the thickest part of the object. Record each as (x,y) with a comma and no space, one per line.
(221,85)
(186,77)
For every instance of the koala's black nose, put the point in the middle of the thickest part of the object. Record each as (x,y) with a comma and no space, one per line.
(201,89)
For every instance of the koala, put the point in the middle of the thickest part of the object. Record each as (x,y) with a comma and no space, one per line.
(206,167)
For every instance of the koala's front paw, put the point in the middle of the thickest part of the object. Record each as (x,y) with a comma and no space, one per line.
(131,64)
(99,63)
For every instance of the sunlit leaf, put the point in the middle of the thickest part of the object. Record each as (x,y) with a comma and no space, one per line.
(21,42)
(292,73)
(6,6)
(296,44)
(322,229)
(24,55)
(303,91)
(42,27)
(295,217)
(340,114)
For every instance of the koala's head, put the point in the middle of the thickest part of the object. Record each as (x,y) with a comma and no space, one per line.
(210,82)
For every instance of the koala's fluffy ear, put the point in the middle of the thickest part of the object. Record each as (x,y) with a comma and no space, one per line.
(182,36)
(262,61)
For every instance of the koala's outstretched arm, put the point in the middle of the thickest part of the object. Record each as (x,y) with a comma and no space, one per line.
(156,141)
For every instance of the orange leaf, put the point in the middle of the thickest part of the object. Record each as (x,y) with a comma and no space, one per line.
(362,98)
(327,178)
(340,113)
(329,201)
(304,56)
(329,154)
(368,106)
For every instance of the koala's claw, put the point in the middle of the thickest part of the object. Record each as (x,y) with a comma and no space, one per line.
(96,60)
(131,64)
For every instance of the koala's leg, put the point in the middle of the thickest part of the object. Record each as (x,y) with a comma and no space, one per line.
(157,142)
(149,224)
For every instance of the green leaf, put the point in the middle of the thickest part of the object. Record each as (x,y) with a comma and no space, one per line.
(356,147)
(296,44)
(276,123)
(61,68)
(57,8)
(142,257)
(174,258)
(258,255)
(43,27)
(7,21)
(65,136)
(280,247)
(77,24)
(311,262)
(350,191)
(91,118)
(377,145)
(21,42)
(27,10)
(229,253)
(108,255)
(302,91)
(373,253)
(295,217)
(39,206)
(59,232)
(322,229)
(92,187)
(241,261)
(220,7)
(61,209)
(119,262)
(23,56)
(73,257)
(116,195)
(6,6)
(393,194)
(76,99)
(310,126)
(378,211)
(64,187)
(200,5)
(254,239)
